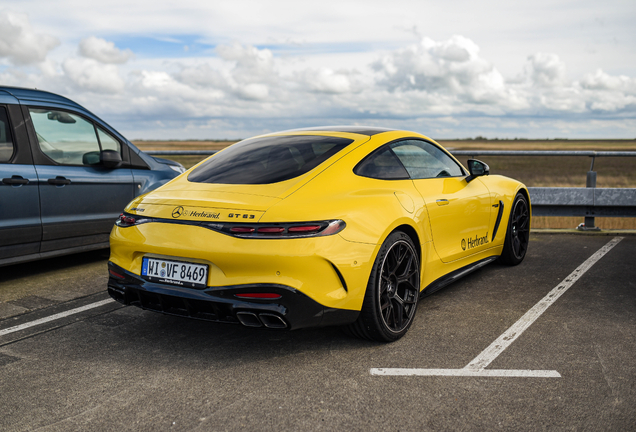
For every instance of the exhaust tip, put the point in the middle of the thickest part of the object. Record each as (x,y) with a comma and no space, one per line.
(272,321)
(249,319)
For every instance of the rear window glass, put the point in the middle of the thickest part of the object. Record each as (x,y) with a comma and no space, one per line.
(268,160)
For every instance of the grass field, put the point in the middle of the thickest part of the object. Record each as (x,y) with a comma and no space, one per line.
(534,171)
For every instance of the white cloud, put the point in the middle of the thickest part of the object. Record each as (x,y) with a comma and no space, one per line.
(600,80)
(608,93)
(452,86)
(326,80)
(90,75)
(156,80)
(103,51)
(20,43)
(453,71)
(253,91)
(201,76)
(611,102)
(546,70)
(251,64)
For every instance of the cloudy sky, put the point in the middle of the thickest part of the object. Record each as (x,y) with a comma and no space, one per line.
(213,69)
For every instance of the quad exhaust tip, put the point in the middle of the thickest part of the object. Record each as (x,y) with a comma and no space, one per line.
(250,319)
(272,321)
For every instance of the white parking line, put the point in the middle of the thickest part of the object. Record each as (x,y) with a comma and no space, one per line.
(477,366)
(467,372)
(54,317)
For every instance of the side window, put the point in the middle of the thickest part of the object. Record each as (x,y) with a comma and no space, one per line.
(6,143)
(381,164)
(107,141)
(68,138)
(425,160)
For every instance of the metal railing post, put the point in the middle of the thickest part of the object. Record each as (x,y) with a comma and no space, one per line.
(588,224)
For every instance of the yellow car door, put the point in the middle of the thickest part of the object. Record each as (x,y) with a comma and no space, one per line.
(459,214)
(459,211)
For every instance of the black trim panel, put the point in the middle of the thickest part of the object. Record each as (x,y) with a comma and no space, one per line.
(219,304)
(22,152)
(499,215)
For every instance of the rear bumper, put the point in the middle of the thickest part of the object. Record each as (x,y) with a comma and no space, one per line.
(330,270)
(293,310)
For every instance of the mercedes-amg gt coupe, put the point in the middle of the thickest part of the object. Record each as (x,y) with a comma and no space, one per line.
(345,225)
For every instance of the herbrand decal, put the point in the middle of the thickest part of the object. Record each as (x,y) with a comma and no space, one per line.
(180,211)
(471,243)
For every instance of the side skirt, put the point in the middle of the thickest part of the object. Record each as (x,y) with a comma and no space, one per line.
(452,277)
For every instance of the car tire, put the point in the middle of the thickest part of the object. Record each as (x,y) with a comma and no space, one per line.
(391,297)
(518,233)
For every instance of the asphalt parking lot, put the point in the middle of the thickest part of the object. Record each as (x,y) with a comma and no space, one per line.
(108,367)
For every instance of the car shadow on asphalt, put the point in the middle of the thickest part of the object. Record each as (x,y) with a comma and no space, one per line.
(34,268)
(163,339)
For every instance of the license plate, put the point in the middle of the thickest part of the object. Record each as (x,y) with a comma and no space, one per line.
(180,273)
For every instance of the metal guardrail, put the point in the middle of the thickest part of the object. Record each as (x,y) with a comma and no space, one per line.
(588,202)
(590,153)
(585,202)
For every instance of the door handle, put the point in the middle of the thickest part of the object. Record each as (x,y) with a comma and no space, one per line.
(442,202)
(59,181)
(15,180)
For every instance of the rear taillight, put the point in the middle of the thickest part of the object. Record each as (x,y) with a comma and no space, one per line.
(240,229)
(127,220)
(116,275)
(304,229)
(283,230)
(279,230)
(270,230)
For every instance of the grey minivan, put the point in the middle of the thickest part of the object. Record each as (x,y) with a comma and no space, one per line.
(65,176)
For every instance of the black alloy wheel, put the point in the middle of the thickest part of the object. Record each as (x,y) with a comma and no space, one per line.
(518,234)
(392,292)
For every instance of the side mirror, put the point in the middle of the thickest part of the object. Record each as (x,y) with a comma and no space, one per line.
(91,158)
(477,169)
(110,158)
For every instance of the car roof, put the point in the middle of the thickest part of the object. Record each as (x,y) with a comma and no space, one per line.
(361,130)
(35,95)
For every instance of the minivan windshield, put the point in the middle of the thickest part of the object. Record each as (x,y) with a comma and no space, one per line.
(268,160)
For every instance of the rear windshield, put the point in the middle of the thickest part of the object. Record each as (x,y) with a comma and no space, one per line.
(268,160)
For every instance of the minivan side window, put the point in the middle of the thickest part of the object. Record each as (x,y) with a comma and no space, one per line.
(6,143)
(68,138)
(107,141)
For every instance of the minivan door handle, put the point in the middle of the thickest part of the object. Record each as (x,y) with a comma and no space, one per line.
(59,181)
(15,180)
(442,202)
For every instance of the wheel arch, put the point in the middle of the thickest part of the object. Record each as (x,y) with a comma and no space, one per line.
(415,238)
(524,191)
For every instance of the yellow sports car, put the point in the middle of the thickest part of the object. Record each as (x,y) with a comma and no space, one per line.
(314,227)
